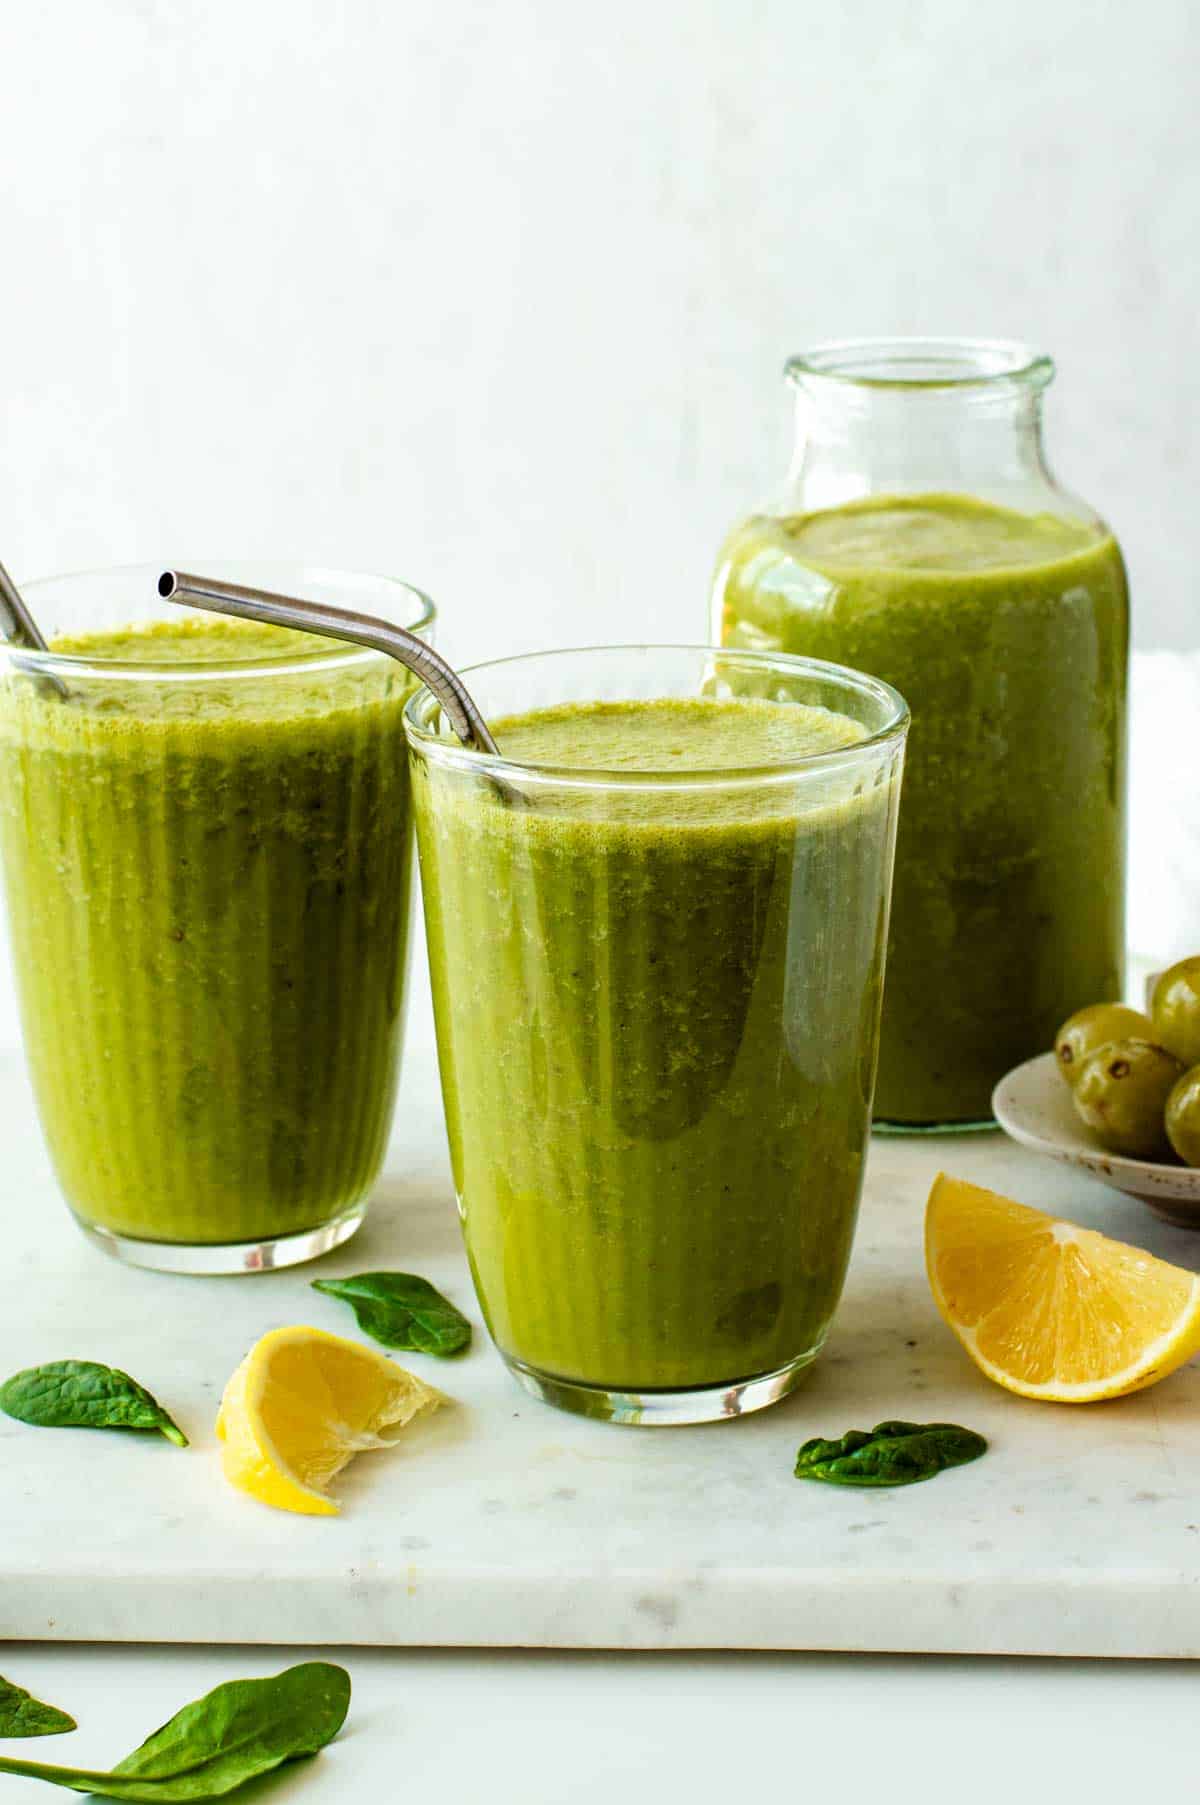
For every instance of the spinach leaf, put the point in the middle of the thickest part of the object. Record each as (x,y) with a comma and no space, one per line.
(889,1454)
(400,1310)
(210,1748)
(23,1715)
(79,1394)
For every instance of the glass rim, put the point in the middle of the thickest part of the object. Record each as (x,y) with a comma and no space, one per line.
(29,660)
(922,365)
(450,752)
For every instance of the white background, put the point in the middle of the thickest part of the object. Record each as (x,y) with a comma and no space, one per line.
(495,295)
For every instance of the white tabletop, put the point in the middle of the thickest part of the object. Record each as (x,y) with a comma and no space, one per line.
(525,1728)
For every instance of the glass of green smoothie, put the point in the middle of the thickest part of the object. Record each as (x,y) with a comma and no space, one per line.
(206,839)
(656,931)
(920,536)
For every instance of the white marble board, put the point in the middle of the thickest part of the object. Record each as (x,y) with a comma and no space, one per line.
(507,1523)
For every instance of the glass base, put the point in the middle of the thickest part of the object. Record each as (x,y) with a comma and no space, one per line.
(984,1125)
(225,1258)
(662,1409)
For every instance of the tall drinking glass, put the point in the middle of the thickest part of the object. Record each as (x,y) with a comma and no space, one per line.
(206,838)
(656,933)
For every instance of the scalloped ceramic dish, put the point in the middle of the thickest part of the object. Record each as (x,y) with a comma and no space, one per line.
(1033,1105)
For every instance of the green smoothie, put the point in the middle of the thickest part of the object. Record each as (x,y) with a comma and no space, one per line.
(208,895)
(1006,633)
(656,1012)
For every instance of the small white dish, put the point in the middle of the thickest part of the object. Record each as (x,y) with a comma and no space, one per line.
(1033,1105)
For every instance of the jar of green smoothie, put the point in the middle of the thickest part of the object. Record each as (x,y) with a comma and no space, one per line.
(206,839)
(920,537)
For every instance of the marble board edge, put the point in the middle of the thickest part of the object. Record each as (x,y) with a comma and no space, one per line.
(1135,1616)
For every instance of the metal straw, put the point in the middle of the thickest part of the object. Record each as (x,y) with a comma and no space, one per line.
(19,628)
(340,623)
(16,623)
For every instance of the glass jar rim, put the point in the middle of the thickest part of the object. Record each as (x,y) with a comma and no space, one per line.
(922,365)
(450,752)
(328,656)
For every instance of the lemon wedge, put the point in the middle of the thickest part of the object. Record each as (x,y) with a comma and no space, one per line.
(301,1405)
(1050,1310)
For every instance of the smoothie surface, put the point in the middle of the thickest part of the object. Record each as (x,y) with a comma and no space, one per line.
(210,672)
(188,641)
(673,735)
(950,533)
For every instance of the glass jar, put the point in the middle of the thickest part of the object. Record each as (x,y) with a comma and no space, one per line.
(657,994)
(921,538)
(207,852)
